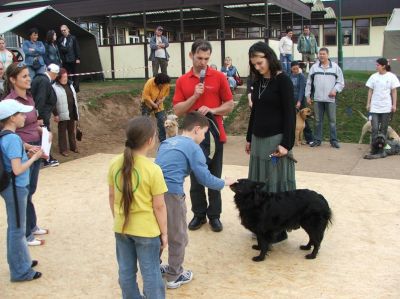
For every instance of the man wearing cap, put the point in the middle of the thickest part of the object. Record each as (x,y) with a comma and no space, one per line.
(45,98)
(159,56)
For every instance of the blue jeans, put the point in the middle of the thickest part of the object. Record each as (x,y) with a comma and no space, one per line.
(232,82)
(160,116)
(319,110)
(146,251)
(18,258)
(379,123)
(31,219)
(33,72)
(285,62)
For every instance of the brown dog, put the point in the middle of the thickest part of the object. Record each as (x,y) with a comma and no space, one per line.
(301,117)
(171,126)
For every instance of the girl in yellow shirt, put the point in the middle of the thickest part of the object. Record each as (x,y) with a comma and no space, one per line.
(154,93)
(136,196)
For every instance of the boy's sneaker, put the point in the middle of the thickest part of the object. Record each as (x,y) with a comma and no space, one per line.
(184,278)
(163,269)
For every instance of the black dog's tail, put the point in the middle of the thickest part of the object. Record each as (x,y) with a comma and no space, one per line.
(328,216)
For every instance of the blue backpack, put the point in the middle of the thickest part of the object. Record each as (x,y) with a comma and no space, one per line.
(5,176)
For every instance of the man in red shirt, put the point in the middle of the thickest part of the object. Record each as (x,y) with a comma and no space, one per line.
(213,98)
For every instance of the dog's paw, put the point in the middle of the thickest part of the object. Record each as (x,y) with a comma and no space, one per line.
(256,247)
(310,256)
(258,258)
(305,247)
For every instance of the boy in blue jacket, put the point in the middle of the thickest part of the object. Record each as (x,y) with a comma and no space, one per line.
(177,157)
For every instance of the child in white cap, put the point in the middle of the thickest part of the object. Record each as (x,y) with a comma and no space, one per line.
(14,188)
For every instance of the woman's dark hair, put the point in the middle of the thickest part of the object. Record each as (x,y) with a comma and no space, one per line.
(33,30)
(262,50)
(138,132)
(12,71)
(60,73)
(384,62)
(49,37)
(201,45)
(289,30)
(161,78)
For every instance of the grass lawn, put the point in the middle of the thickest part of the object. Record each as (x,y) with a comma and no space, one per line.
(348,122)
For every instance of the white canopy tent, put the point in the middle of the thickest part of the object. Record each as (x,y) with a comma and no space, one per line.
(47,18)
(391,43)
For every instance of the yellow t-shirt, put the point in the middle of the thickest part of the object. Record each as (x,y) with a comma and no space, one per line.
(151,92)
(148,180)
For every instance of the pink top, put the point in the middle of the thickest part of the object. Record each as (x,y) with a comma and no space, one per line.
(29,132)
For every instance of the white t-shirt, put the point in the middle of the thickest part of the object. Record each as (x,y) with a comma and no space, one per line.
(160,53)
(382,85)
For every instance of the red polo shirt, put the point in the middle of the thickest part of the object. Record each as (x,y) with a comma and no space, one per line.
(216,92)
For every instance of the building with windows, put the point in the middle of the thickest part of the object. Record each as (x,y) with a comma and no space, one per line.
(122,28)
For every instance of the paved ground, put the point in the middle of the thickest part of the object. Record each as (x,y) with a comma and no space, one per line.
(359,257)
(325,159)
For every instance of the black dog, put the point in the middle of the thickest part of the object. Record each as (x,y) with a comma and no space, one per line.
(381,148)
(268,214)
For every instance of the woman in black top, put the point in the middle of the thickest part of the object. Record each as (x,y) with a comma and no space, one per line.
(271,132)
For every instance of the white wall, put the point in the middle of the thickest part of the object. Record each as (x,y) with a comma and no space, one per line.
(129,59)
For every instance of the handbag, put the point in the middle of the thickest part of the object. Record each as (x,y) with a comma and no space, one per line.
(36,63)
(79,132)
(239,81)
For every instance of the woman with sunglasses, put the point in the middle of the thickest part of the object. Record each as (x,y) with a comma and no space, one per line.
(16,86)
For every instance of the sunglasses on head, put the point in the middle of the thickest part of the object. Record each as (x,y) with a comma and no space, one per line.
(21,64)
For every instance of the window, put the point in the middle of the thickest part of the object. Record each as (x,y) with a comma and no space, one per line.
(296,33)
(198,35)
(362,32)
(211,34)
(347,32)
(228,33)
(240,33)
(330,34)
(379,21)
(120,34)
(253,32)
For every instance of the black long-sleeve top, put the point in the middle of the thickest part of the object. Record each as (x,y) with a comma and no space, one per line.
(274,112)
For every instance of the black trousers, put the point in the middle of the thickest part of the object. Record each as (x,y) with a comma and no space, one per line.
(198,197)
(71,69)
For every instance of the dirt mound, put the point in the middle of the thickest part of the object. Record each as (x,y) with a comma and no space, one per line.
(104,126)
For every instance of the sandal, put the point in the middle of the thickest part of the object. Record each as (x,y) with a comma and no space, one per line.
(65,154)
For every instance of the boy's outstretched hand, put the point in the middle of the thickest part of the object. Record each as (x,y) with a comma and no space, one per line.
(230,181)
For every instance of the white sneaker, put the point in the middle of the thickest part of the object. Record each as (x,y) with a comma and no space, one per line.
(41,231)
(184,278)
(35,242)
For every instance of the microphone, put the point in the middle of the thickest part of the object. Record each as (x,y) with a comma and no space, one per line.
(202,75)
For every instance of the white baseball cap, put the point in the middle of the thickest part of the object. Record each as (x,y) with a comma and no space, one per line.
(9,107)
(54,68)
